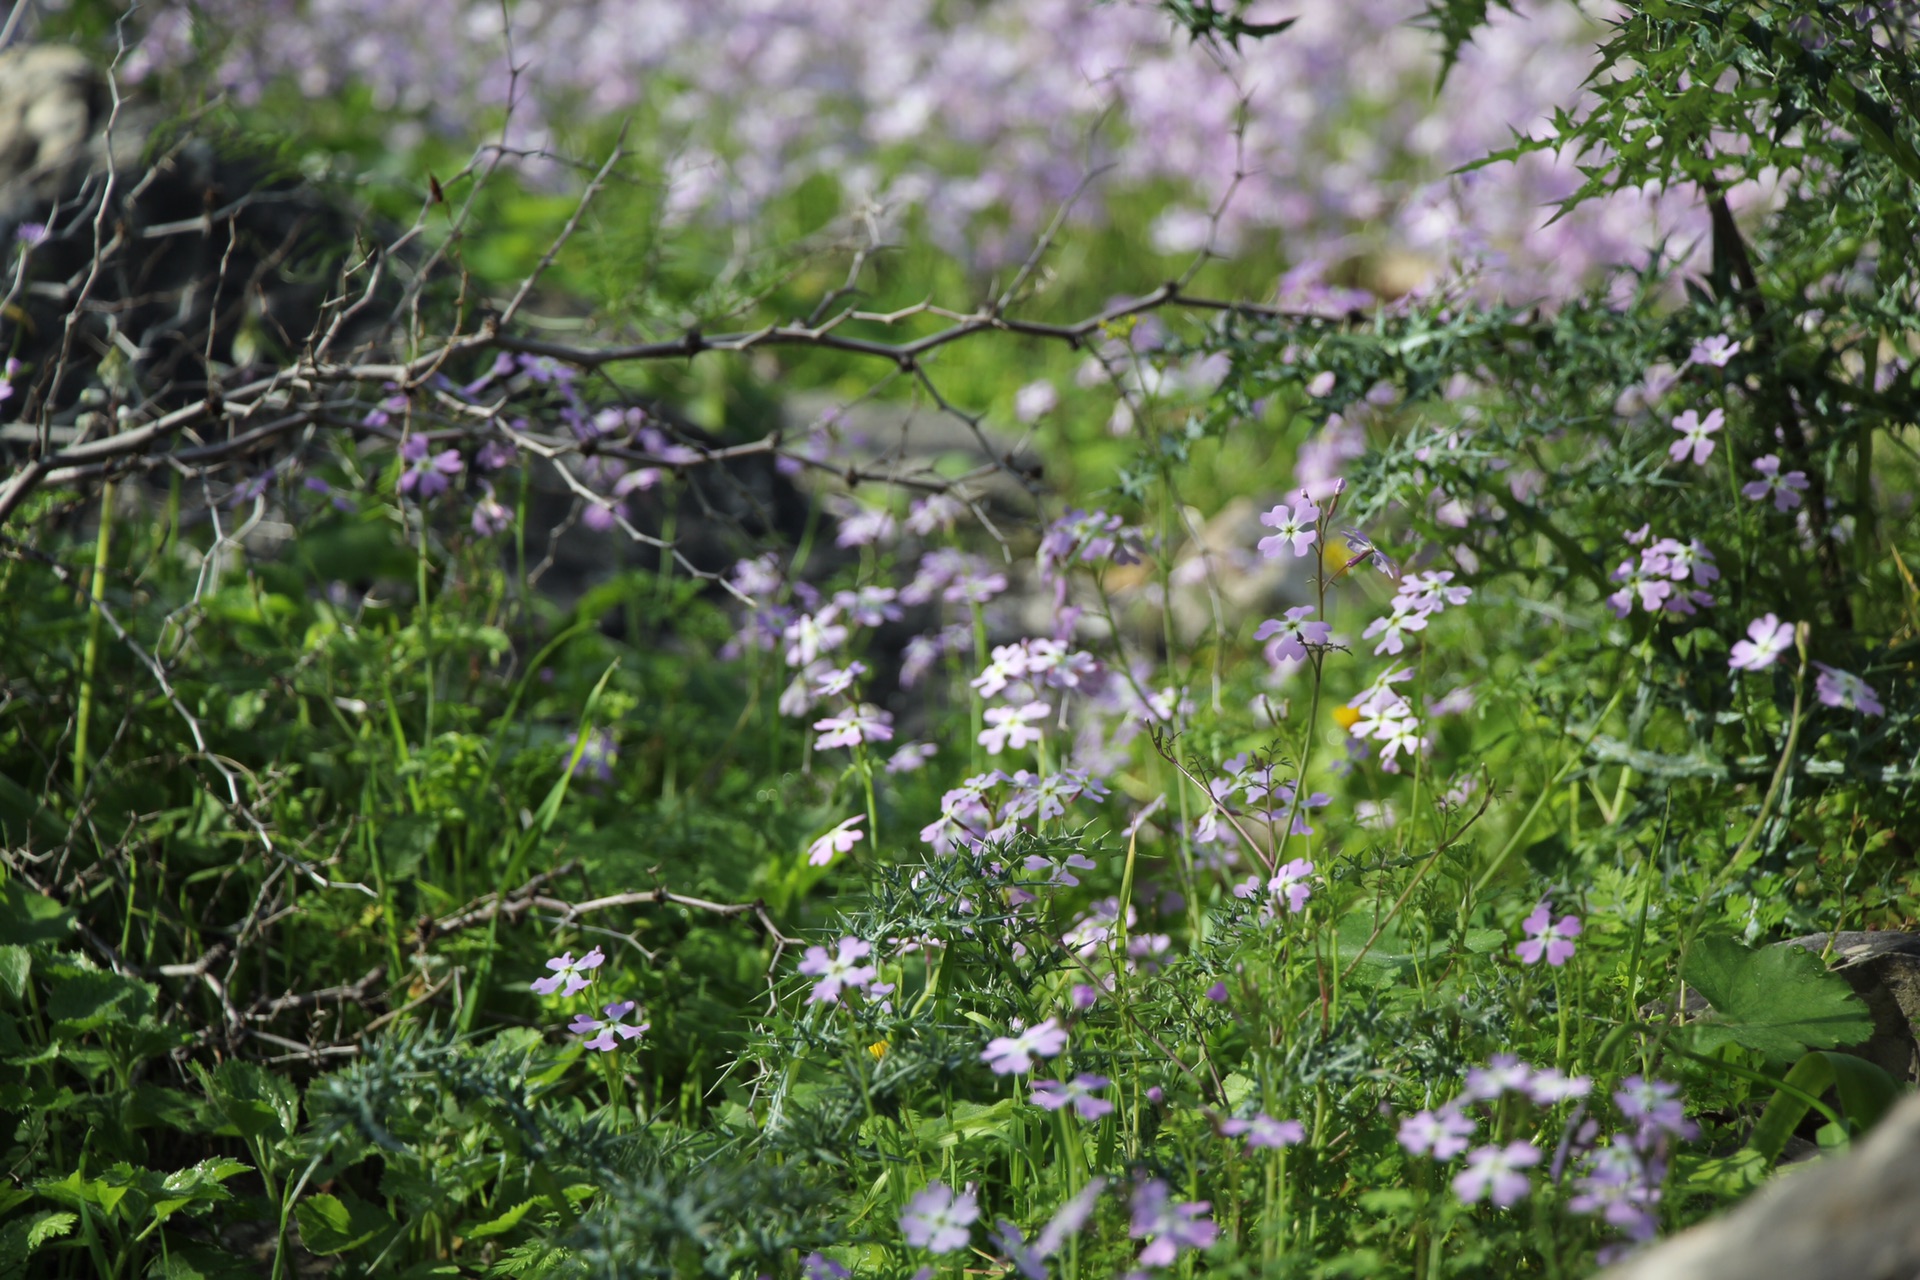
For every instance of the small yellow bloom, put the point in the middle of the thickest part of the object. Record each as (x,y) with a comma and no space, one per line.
(878,1049)
(1345,717)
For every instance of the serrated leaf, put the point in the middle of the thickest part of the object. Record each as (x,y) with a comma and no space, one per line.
(1778,1001)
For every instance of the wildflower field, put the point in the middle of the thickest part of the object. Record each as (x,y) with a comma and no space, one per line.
(1057,639)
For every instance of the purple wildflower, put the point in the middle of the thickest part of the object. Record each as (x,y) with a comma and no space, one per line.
(1035,401)
(1504,1073)
(1296,525)
(813,634)
(1292,635)
(1172,1226)
(938,1220)
(1012,1055)
(1495,1173)
(1768,639)
(855,725)
(1785,487)
(1715,351)
(837,970)
(613,1031)
(818,1266)
(839,840)
(1290,882)
(1429,593)
(911,756)
(1655,1106)
(426,475)
(1051,1095)
(1263,1130)
(570,972)
(1394,628)
(1695,436)
(1837,688)
(1548,937)
(30,234)
(1442,1134)
(1013,727)
(597,755)
(490,516)
(864,528)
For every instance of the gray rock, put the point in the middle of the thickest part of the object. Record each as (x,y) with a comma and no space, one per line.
(1850,1217)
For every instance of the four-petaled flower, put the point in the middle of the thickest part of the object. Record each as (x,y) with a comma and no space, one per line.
(1263,1130)
(1695,435)
(1837,688)
(1167,1225)
(840,839)
(855,725)
(1495,1173)
(1051,1095)
(837,970)
(938,1219)
(1290,882)
(569,972)
(1715,351)
(613,1031)
(1012,1055)
(1784,486)
(1293,634)
(1768,639)
(1442,1134)
(1655,1106)
(1547,936)
(1296,525)
(425,473)
(1013,727)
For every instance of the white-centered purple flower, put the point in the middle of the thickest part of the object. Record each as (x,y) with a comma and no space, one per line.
(1290,883)
(939,1219)
(1504,1073)
(1442,1134)
(426,473)
(1767,639)
(609,1034)
(1169,1226)
(1548,937)
(569,973)
(811,635)
(1264,1132)
(1430,592)
(840,839)
(911,757)
(1296,528)
(857,724)
(1715,351)
(1696,435)
(1014,1054)
(1013,727)
(1843,689)
(1394,629)
(865,527)
(1496,1174)
(838,969)
(1784,487)
(1654,1106)
(1291,635)
(1051,1095)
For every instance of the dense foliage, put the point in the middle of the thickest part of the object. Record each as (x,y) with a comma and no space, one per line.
(1249,796)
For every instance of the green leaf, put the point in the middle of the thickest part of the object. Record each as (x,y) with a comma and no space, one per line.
(15,964)
(254,1101)
(89,999)
(1866,1093)
(1778,1001)
(27,917)
(502,1224)
(330,1225)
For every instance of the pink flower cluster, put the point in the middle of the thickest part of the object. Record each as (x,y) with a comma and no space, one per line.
(1665,577)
